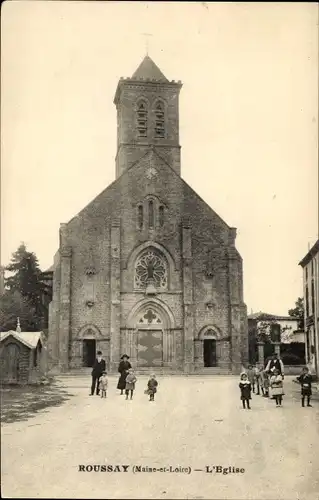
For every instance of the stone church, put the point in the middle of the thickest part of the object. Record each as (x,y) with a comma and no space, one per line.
(148,268)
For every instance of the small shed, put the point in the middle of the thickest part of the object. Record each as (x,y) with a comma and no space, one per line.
(22,357)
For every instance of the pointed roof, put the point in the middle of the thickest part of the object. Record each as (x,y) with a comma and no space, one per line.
(148,70)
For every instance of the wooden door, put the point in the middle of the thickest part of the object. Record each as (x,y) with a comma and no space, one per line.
(12,357)
(150,348)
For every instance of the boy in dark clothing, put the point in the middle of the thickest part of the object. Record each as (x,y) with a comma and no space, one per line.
(305,380)
(98,369)
(152,387)
(245,390)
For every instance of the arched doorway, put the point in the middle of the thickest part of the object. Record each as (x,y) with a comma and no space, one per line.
(208,348)
(151,336)
(210,356)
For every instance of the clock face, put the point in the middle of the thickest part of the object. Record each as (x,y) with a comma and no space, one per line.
(151,173)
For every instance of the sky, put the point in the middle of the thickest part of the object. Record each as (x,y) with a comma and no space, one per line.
(248,121)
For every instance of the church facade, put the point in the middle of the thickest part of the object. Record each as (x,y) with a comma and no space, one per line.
(148,269)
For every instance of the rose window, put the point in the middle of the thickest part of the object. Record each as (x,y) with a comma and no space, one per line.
(151,267)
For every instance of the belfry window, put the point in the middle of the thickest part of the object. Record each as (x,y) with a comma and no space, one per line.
(159,120)
(140,216)
(142,119)
(151,214)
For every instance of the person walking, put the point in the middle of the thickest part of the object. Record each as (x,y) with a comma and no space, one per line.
(123,369)
(98,369)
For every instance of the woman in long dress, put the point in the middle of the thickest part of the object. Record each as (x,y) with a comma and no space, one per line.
(123,369)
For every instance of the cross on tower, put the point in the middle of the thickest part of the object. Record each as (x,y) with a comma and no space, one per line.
(147,35)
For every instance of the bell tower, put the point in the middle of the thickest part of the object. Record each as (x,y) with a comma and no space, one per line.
(147,116)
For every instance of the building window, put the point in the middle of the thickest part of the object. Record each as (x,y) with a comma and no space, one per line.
(306,273)
(312,267)
(151,214)
(151,265)
(161,216)
(142,119)
(313,296)
(307,301)
(140,216)
(159,120)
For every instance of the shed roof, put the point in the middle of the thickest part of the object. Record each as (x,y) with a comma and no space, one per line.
(30,339)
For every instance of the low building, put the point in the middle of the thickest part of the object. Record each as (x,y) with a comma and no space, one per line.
(269,333)
(22,357)
(310,265)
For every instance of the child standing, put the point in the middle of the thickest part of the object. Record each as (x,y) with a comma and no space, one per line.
(264,383)
(103,385)
(277,387)
(251,376)
(130,383)
(245,390)
(305,380)
(152,387)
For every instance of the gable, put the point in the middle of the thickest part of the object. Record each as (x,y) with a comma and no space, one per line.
(150,175)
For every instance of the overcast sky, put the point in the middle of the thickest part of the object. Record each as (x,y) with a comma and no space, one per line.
(248,121)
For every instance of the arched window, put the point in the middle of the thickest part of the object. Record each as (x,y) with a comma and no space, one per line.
(151,214)
(159,119)
(140,216)
(141,119)
(161,216)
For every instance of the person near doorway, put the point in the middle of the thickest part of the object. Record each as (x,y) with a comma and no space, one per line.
(98,369)
(275,364)
(245,390)
(123,369)
(305,381)
(130,382)
(277,387)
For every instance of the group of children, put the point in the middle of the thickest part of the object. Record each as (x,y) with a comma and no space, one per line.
(270,383)
(130,381)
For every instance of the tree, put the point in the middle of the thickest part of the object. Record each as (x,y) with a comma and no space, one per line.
(298,312)
(12,306)
(26,278)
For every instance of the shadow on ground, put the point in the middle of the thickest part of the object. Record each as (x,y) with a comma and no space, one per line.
(21,403)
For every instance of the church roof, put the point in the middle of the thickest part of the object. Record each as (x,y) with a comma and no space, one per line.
(149,70)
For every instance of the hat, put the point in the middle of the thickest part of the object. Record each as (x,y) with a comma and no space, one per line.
(99,353)
(125,356)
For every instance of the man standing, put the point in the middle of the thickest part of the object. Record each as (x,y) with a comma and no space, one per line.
(275,364)
(98,369)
